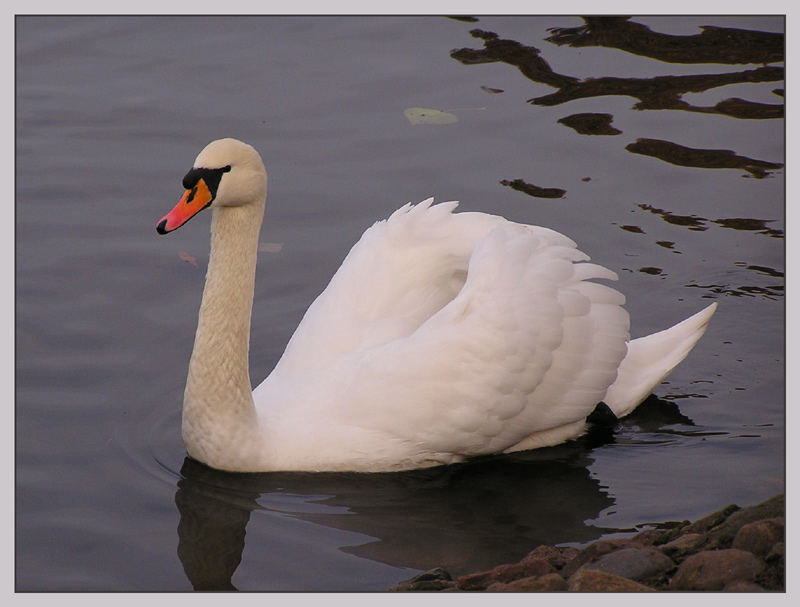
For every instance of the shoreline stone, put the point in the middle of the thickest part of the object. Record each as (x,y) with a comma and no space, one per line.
(732,550)
(716,569)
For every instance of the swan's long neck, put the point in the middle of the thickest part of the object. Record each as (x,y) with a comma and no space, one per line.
(220,425)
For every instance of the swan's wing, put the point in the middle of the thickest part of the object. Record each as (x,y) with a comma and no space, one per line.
(528,345)
(401,272)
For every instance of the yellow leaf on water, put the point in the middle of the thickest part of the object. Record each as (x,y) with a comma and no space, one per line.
(422,115)
(270,247)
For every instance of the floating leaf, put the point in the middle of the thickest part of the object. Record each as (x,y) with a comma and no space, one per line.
(421,115)
(270,247)
(187,258)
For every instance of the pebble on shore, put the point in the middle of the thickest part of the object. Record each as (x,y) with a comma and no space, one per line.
(732,550)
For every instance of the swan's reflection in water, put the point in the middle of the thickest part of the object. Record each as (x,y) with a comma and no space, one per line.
(465,518)
(211,530)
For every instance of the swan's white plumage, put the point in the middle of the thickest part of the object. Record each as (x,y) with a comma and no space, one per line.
(650,359)
(442,336)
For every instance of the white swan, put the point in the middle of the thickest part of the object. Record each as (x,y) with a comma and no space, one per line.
(441,337)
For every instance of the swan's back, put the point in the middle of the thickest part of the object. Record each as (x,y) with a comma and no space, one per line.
(444,336)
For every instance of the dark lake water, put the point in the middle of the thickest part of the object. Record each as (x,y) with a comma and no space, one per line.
(682,194)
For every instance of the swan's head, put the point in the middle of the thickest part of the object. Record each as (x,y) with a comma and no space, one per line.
(227,173)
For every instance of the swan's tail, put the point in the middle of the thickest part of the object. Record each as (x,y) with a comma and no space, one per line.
(650,359)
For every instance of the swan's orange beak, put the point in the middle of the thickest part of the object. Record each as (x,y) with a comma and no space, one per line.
(191,203)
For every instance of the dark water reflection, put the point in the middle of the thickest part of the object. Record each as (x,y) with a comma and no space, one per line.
(462,517)
(590,124)
(459,518)
(713,45)
(665,92)
(704,159)
(110,111)
(700,224)
(656,93)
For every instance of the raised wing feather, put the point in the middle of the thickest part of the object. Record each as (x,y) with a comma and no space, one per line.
(401,272)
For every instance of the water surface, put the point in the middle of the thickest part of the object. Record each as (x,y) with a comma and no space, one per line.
(111,113)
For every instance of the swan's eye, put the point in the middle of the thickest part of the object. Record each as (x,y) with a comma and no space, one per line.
(192,194)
